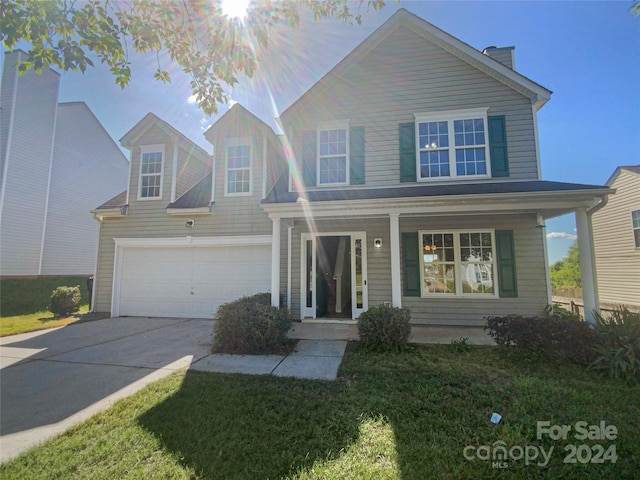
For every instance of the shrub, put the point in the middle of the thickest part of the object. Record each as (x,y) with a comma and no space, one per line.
(384,328)
(251,325)
(558,311)
(460,345)
(619,353)
(555,337)
(65,300)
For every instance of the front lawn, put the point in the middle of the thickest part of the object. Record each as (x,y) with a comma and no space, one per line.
(38,321)
(423,414)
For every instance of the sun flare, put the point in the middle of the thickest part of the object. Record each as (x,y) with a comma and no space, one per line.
(235,8)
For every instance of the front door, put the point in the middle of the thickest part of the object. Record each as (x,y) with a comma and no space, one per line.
(334,275)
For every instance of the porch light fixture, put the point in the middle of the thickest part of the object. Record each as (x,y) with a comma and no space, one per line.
(377,243)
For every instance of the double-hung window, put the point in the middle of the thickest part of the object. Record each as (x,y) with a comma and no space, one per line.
(238,178)
(452,144)
(151,168)
(458,263)
(333,155)
(635,220)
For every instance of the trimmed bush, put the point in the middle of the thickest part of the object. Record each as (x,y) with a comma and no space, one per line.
(619,354)
(555,337)
(250,325)
(384,328)
(65,300)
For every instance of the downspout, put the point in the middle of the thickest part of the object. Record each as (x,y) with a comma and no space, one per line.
(92,306)
(590,211)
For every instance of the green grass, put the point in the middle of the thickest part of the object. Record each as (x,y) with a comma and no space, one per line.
(389,416)
(23,296)
(38,321)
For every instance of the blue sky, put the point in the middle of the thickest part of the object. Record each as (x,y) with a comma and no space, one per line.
(587,53)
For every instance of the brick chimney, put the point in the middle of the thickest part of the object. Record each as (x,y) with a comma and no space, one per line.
(504,55)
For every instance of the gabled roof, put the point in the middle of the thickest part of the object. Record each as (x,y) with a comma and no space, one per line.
(538,94)
(634,169)
(118,201)
(237,114)
(196,197)
(150,120)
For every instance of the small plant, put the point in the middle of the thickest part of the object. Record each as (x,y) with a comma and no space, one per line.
(251,325)
(65,300)
(559,338)
(384,328)
(461,345)
(619,354)
(555,310)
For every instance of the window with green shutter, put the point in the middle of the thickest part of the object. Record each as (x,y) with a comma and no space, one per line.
(506,256)
(410,265)
(356,156)
(498,146)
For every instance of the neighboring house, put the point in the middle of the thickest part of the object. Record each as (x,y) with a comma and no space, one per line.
(56,162)
(412,177)
(616,236)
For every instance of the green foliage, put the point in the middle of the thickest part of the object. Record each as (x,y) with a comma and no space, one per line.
(461,345)
(213,49)
(65,300)
(251,325)
(554,337)
(384,328)
(566,272)
(24,296)
(558,311)
(619,355)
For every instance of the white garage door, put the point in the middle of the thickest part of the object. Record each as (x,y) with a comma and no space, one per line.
(190,281)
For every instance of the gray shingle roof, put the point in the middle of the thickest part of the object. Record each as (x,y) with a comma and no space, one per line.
(429,191)
(197,196)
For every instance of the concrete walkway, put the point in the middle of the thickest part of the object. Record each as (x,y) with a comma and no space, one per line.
(312,359)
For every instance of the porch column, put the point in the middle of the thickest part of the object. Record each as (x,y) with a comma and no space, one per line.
(587,264)
(394,235)
(275,263)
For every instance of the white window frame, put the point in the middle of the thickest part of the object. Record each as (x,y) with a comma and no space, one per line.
(238,142)
(342,125)
(458,263)
(634,228)
(450,116)
(151,149)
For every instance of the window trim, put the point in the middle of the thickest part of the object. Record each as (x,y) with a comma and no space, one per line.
(238,142)
(634,228)
(340,125)
(157,148)
(449,116)
(457,263)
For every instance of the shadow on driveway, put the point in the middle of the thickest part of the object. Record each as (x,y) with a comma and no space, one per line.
(48,377)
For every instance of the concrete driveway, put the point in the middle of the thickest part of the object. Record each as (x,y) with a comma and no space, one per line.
(53,379)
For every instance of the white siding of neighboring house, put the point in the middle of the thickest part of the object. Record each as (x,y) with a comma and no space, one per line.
(617,258)
(88,169)
(26,167)
(403,75)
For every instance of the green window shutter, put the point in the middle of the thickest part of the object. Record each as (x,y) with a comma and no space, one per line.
(309,158)
(506,256)
(356,153)
(410,264)
(498,146)
(408,152)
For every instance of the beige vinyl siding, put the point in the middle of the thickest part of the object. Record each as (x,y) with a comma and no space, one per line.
(88,168)
(404,75)
(232,216)
(26,186)
(530,270)
(617,258)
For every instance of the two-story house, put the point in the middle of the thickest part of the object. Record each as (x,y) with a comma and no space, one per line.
(616,238)
(56,162)
(409,174)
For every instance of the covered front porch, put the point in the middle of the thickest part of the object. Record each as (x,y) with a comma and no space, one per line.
(374,223)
